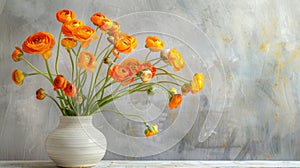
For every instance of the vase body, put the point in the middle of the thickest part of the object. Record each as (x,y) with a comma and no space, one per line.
(76,142)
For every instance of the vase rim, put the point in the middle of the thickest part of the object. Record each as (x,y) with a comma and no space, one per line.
(73,117)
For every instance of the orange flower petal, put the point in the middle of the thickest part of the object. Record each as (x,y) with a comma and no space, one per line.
(59,82)
(87,61)
(175,101)
(70,90)
(18,77)
(176,60)
(39,43)
(154,43)
(65,15)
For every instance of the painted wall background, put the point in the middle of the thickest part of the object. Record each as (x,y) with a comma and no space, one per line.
(249,51)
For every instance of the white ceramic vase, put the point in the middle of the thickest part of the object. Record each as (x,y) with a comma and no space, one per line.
(76,142)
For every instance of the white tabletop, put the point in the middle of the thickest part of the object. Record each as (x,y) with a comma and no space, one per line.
(160,164)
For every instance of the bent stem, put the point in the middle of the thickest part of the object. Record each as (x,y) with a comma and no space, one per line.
(148,54)
(125,114)
(36,69)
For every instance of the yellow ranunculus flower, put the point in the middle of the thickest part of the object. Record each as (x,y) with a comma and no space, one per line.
(197,83)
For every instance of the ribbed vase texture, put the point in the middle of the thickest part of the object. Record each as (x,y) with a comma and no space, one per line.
(76,142)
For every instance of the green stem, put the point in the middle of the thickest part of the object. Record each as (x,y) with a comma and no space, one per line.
(157,62)
(124,114)
(173,75)
(57,53)
(48,70)
(36,69)
(106,48)
(72,63)
(98,44)
(106,79)
(77,68)
(147,56)
(154,59)
(56,103)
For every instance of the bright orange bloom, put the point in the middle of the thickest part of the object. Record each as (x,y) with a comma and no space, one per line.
(39,43)
(70,90)
(132,63)
(121,74)
(151,130)
(17,55)
(40,94)
(124,43)
(68,27)
(115,29)
(175,101)
(87,61)
(186,88)
(197,83)
(154,44)
(97,18)
(176,60)
(65,15)
(60,82)
(18,77)
(68,43)
(84,34)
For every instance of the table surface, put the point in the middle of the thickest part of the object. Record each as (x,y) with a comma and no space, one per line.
(157,164)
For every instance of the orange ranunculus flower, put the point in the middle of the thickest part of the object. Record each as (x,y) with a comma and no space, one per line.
(176,60)
(84,34)
(197,83)
(97,18)
(175,101)
(18,77)
(132,63)
(39,43)
(68,27)
(40,94)
(124,43)
(68,43)
(186,88)
(17,55)
(87,61)
(115,29)
(151,130)
(154,44)
(60,82)
(70,90)
(65,15)
(121,74)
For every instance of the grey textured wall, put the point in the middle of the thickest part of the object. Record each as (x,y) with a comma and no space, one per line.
(249,51)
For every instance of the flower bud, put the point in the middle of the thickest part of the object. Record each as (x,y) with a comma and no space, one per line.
(186,88)
(79,99)
(164,55)
(151,91)
(146,75)
(111,39)
(40,94)
(151,130)
(17,55)
(173,91)
(107,60)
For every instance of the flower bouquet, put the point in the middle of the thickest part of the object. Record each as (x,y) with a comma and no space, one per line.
(84,92)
